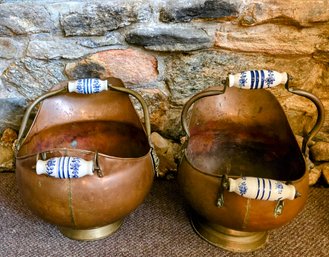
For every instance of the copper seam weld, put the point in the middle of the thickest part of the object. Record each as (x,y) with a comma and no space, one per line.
(70,202)
(247,215)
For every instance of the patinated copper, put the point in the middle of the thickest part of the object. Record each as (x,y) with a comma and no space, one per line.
(103,127)
(235,133)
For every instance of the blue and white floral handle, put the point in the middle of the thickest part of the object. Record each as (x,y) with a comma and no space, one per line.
(65,167)
(257,79)
(87,86)
(262,189)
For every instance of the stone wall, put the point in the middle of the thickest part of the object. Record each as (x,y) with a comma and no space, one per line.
(167,51)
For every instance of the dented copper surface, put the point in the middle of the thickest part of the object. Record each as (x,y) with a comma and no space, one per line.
(238,133)
(71,124)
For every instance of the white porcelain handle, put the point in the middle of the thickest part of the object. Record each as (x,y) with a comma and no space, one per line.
(87,86)
(262,189)
(256,79)
(65,167)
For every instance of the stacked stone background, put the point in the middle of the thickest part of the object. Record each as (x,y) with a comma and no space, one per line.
(167,51)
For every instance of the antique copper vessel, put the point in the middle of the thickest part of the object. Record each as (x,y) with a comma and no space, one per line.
(101,128)
(242,138)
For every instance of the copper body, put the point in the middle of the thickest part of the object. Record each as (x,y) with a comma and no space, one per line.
(240,133)
(81,125)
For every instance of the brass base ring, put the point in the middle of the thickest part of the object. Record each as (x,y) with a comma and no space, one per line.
(91,234)
(228,239)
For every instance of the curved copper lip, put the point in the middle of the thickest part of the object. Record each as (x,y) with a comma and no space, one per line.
(87,152)
(230,176)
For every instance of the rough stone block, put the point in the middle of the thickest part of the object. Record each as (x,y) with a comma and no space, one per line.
(289,12)
(167,151)
(184,11)
(10,48)
(24,18)
(4,64)
(320,151)
(7,157)
(322,136)
(131,66)
(11,112)
(169,37)
(302,113)
(113,38)
(273,39)
(314,176)
(53,48)
(168,121)
(49,47)
(325,171)
(8,136)
(32,78)
(164,117)
(98,18)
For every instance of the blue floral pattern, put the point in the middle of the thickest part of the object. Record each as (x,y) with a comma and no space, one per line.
(96,86)
(50,166)
(80,86)
(243,79)
(74,167)
(64,167)
(270,79)
(243,187)
(279,187)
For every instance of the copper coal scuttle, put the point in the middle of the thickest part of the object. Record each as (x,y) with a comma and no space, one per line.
(86,162)
(243,172)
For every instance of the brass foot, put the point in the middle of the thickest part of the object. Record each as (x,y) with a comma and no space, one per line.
(228,239)
(91,234)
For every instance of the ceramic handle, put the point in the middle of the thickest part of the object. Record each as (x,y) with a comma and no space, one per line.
(256,79)
(87,86)
(262,189)
(65,167)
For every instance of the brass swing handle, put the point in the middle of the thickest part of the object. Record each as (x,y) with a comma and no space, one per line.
(192,100)
(259,79)
(84,86)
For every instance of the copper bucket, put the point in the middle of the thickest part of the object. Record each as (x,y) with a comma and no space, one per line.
(243,172)
(103,155)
